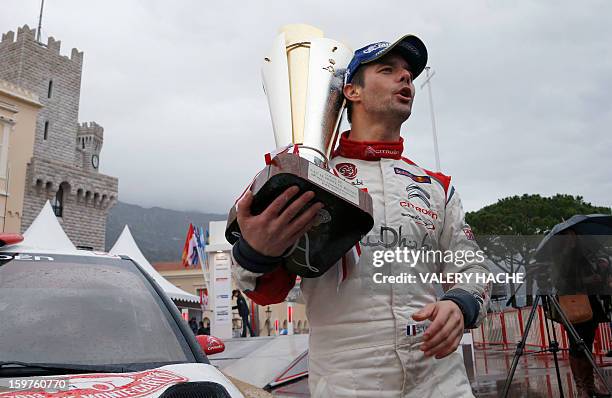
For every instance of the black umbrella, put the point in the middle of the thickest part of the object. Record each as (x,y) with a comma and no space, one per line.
(591,224)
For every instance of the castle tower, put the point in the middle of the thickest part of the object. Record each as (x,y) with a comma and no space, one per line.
(66,154)
(57,81)
(90,137)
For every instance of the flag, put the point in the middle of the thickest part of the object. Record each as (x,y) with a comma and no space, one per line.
(204,297)
(192,254)
(201,244)
(185,256)
(199,237)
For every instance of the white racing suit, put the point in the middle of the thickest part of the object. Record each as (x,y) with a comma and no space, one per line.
(362,343)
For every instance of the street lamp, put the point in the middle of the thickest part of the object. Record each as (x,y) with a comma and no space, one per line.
(268,317)
(431,110)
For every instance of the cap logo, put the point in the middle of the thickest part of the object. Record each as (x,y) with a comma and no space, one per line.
(376,46)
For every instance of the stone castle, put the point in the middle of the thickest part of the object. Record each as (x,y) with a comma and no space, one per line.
(64,166)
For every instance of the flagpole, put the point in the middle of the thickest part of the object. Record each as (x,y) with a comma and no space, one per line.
(42,5)
(433,118)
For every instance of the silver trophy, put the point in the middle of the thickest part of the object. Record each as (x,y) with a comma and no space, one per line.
(303,77)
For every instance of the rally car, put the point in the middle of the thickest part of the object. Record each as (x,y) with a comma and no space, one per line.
(95,325)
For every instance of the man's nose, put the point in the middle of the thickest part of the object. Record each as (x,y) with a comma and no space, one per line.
(406,76)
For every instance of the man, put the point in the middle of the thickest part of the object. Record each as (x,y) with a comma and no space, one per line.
(243,311)
(193,325)
(582,267)
(372,339)
(203,330)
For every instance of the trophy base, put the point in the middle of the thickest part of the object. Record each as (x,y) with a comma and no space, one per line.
(345,219)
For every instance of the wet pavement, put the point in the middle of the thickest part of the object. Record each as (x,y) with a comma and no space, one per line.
(535,376)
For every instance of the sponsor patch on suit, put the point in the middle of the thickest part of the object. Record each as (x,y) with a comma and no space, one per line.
(414,177)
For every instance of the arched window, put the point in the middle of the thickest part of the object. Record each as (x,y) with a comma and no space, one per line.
(58,201)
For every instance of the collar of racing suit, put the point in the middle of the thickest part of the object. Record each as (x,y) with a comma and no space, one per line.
(369,150)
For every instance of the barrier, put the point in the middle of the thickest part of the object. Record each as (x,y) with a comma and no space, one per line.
(504,329)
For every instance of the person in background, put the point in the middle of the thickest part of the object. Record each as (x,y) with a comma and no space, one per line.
(193,325)
(243,311)
(584,271)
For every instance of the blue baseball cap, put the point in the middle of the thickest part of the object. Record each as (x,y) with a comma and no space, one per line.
(410,47)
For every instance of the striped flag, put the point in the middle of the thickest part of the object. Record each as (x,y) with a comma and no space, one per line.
(192,254)
(202,241)
(187,246)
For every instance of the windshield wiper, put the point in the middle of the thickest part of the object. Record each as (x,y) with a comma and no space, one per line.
(19,367)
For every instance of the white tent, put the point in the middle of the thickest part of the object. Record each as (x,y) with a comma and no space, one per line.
(45,233)
(126,245)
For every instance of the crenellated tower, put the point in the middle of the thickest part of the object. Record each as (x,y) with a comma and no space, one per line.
(90,137)
(56,78)
(66,153)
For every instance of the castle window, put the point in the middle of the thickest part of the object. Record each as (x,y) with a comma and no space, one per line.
(50,91)
(83,143)
(58,202)
(46,131)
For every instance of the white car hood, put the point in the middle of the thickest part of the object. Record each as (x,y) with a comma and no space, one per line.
(148,383)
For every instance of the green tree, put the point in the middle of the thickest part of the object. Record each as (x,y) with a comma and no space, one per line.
(528,214)
(510,230)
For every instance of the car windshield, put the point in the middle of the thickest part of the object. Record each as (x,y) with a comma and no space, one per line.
(84,310)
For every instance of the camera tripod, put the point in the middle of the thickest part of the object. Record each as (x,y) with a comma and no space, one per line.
(549,300)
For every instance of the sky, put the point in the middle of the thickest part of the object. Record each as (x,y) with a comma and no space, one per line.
(522,90)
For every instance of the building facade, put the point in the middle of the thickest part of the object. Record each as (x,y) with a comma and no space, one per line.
(190,280)
(267,320)
(272,319)
(66,154)
(18,114)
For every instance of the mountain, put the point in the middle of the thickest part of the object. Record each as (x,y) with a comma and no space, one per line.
(160,233)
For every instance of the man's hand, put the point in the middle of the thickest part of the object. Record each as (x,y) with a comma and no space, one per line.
(271,233)
(442,337)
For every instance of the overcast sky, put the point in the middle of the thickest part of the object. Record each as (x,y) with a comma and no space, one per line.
(522,90)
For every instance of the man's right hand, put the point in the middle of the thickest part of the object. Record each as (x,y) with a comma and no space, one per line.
(273,231)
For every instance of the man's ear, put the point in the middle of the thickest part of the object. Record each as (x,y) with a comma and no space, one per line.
(352,92)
